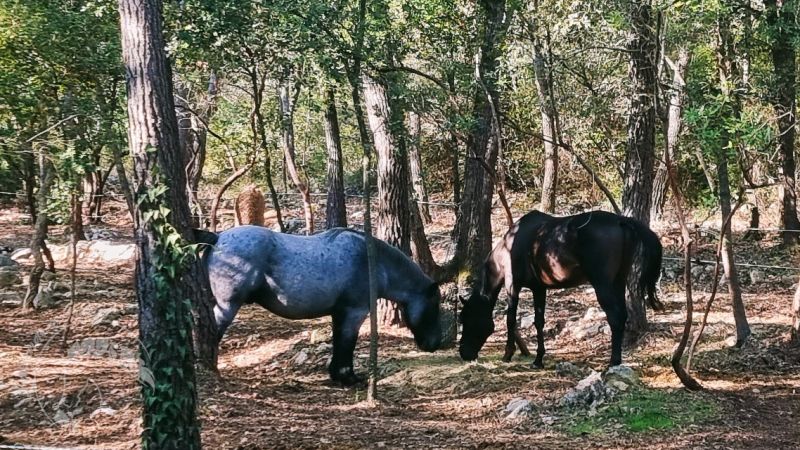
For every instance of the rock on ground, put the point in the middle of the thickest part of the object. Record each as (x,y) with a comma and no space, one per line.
(518,407)
(9,276)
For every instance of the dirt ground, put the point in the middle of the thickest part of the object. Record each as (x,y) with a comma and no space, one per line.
(273,390)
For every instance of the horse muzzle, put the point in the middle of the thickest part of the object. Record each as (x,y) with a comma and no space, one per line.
(467,355)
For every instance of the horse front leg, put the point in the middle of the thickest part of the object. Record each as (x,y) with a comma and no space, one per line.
(511,325)
(346,324)
(539,302)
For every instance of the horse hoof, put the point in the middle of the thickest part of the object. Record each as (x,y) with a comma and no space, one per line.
(507,357)
(537,365)
(351,380)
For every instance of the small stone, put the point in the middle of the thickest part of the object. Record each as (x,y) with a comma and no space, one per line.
(105,411)
(105,316)
(567,369)
(527,321)
(622,374)
(300,358)
(61,417)
(517,407)
(697,271)
(730,341)
(19,374)
(6,261)
(618,385)
(23,402)
(9,276)
(757,276)
(548,420)
(48,276)
(44,298)
(115,323)
(21,253)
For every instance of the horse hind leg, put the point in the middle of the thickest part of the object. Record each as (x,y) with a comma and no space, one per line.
(346,324)
(612,300)
(539,302)
(511,324)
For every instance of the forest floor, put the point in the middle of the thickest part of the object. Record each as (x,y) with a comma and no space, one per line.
(273,390)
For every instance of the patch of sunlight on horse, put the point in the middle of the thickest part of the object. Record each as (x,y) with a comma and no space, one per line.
(261,354)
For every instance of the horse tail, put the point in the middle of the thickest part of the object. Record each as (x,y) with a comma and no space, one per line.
(652,252)
(205,237)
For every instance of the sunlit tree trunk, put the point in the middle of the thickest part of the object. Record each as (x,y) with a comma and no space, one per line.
(392,173)
(46,177)
(335,209)
(286,98)
(673,130)
(544,86)
(729,76)
(782,20)
(640,152)
(168,375)
(473,230)
(420,194)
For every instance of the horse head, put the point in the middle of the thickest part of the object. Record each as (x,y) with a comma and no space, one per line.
(422,316)
(477,325)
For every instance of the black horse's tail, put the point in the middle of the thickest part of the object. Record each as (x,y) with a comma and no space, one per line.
(651,264)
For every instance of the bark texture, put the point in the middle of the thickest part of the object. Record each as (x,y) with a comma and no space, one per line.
(781,18)
(420,193)
(673,131)
(286,98)
(153,140)
(640,151)
(335,208)
(473,229)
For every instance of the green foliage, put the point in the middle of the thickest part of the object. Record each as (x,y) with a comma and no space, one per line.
(167,363)
(646,410)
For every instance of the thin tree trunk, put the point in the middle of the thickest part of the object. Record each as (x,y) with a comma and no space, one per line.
(781,17)
(473,230)
(393,219)
(673,131)
(420,194)
(225,185)
(259,133)
(455,163)
(795,332)
(76,213)
(640,151)
(124,184)
(287,125)
(544,86)
(728,74)
(335,209)
(167,373)
(46,177)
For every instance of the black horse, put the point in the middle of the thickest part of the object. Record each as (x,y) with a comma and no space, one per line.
(543,252)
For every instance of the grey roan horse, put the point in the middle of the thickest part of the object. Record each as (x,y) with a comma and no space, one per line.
(543,252)
(304,277)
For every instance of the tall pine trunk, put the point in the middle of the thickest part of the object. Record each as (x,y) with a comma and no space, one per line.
(335,208)
(163,287)
(393,215)
(640,151)
(673,131)
(781,18)
(473,230)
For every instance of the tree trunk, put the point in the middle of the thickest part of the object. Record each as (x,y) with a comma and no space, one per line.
(455,163)
(124,184)
(728,75)
(193,135)
(46,177)
(225,185)
(673,131)
(76,213)
(335,208)
(473,230)
(795,332)
(259,134)
(163,286)
(781,17)
(640,152)
(544,86)
(393,220)
(420,194)
(286,102)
